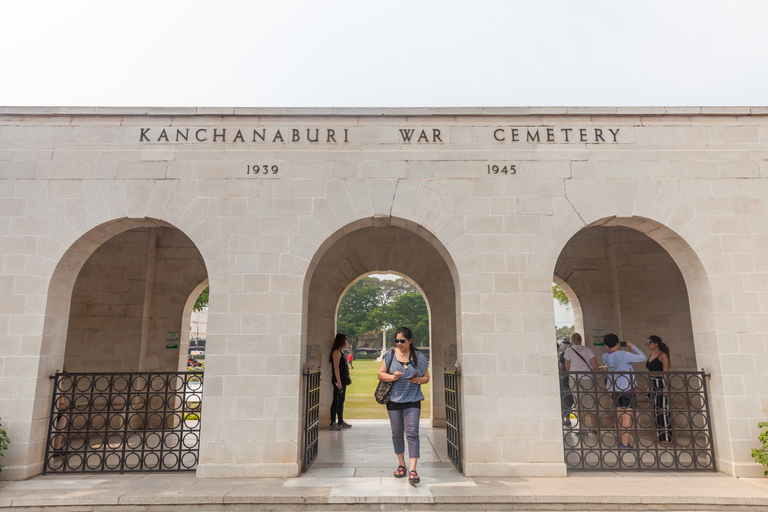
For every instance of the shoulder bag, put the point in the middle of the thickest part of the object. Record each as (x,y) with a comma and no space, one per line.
(383,389)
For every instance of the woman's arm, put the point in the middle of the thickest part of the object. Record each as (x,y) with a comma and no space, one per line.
(336,359)
(567,365)
(637,357)
(383,375)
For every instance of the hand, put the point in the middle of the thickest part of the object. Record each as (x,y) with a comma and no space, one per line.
(396,376)
(629,343)
(338,385)
(415,379)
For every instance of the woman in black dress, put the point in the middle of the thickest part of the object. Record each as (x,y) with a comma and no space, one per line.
(658,365)
(340,380)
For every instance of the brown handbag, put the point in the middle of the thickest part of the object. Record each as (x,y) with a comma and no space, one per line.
(383,389)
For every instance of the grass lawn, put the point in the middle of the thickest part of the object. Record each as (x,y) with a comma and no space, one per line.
(360,403)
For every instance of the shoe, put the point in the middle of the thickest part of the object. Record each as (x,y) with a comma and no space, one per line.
(334,426)
(399,472)
(627,447)
(413,478)
(344,424)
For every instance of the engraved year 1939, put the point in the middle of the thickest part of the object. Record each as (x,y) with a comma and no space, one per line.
(262,169)
(502,169)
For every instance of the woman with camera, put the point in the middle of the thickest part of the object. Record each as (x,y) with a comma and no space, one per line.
(622,385)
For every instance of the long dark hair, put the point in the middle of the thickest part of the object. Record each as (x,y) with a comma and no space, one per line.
(662,346)
(409,336)
(338,342)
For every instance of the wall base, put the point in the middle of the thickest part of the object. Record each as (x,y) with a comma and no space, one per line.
(516,469)
(21,472)
(741,469)
(247,470)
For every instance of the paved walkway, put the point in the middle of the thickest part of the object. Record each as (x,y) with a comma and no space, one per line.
(353,472)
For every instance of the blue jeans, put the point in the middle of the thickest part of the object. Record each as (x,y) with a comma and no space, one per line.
(405,421)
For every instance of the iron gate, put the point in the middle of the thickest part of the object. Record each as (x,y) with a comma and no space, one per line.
(312,418)
(660,422)
(118,422)
(452,417)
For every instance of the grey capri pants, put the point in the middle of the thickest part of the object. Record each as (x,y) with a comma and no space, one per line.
(405,421)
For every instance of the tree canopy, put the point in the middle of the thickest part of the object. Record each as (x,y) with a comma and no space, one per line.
(372,304)
(560,296)
(202,300)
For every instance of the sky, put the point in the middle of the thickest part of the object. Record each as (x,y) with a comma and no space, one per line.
(402,53)
(383,54)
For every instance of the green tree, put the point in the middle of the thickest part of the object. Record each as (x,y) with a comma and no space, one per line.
(358,313)
(392,288)
(563,331)
(202,300)
(560,296)
(410,310)
(4,442)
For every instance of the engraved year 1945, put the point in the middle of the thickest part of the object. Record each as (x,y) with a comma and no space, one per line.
(502,169)
(262,169)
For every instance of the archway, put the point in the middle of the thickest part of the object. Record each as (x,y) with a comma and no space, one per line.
(634,277)
(115,304)
(369,312)
(398,247)
(624,282)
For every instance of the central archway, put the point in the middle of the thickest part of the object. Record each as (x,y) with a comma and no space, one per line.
(399,247)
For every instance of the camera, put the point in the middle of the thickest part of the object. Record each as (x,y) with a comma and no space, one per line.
(622,343)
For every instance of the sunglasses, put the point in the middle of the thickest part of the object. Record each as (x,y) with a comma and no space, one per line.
(398,340)
(649,342)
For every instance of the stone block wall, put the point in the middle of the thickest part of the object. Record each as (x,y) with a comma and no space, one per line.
(692,180)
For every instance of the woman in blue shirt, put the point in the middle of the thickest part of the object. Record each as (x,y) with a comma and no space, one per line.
(622,385)
(409,370)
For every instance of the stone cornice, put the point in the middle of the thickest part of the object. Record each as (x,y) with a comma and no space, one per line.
(384,112)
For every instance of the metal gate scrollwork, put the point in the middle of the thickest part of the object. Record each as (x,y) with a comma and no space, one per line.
(312,418)
(124,422)
(453,418)
(660,422)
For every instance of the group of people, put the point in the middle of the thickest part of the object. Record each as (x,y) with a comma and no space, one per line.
(579,358)
(407,369)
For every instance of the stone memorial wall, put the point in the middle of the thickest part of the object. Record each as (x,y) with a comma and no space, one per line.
(111,218)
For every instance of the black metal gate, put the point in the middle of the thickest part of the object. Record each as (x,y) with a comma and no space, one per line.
(118,422)
(452,417)
(636,421)
(312,418)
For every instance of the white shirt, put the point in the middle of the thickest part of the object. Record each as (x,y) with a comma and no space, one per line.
(577,365)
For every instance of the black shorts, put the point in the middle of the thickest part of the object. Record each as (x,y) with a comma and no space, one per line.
(623,399)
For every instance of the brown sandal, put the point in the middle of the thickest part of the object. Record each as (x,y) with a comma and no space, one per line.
(413,478)
(400,472)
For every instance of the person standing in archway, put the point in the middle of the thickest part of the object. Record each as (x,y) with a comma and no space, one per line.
(658,365)
(340,379)
(622,385)
(579,358)
(410,369)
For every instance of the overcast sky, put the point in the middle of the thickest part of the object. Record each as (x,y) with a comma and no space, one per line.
(384,53)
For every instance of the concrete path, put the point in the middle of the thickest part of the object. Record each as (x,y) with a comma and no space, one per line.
(353,472)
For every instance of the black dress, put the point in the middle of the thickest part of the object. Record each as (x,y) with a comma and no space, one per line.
(339,395)
(660,400)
